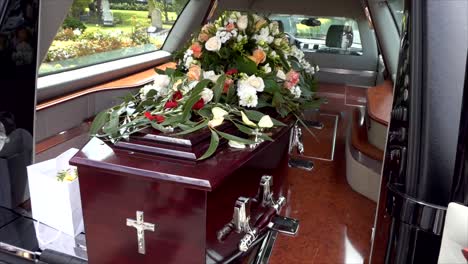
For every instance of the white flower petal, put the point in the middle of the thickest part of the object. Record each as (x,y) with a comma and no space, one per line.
(235,144)
(265,122)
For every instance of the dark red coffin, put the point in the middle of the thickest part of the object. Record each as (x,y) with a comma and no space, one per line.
(188,201)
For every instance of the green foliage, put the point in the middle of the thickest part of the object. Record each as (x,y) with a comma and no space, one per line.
(129,6)
(73,23)
(78,7)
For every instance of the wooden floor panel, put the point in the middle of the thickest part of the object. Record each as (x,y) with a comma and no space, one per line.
(336,221)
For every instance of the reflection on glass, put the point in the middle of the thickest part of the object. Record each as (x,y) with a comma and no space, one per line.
(338,35)
(18,50)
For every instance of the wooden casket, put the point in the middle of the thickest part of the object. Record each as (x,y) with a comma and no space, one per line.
(183,202)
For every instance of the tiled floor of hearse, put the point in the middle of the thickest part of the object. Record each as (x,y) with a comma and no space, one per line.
(336,222)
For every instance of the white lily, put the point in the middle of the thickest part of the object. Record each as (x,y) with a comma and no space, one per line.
(235,144)
(218,116)
(265,122)
(246,120)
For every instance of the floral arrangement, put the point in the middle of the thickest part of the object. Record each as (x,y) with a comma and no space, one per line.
(240,69)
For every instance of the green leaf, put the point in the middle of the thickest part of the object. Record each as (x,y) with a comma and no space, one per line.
(159,71)
(205,112)
(283,60)
(158,127)
(231,94)
(265,137)
(277,99)
(246,65)
(234,138)
(193,129)
(194,97)
(256,116)
(214,142)
(271,86)
(112,127)
(244,129)
(218,88)
(98,122)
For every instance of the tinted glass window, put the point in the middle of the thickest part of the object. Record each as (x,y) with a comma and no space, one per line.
(97,31)
(338,35)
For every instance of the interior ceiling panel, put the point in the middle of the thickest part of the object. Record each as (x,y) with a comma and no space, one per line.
(339,8)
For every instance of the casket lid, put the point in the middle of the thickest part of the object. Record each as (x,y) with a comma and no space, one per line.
(140,161)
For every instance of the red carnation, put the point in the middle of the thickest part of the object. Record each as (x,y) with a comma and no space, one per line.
(171,104)
(177,96)
(198,105)
(157,118)
(232,71)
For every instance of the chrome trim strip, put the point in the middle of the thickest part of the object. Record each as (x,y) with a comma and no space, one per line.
(266,249)
(361,73)
(166,139)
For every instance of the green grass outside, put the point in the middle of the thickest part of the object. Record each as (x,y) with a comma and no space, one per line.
(126,19)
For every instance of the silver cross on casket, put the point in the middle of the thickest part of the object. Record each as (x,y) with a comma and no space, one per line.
(140,225)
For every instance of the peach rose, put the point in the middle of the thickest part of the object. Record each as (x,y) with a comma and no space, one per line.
(197,50)
(260,23)
(258,56)
(203,37)
(194,73)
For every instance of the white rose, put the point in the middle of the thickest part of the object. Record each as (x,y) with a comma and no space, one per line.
(247,96)
(281,75)
(213,44)
(242,22)
(274,28)
(256,82)
(207,95)
(162,80)
(210,75)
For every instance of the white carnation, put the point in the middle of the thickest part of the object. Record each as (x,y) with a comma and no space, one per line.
(207,95)
(213,44)
(247,96)
(296,91)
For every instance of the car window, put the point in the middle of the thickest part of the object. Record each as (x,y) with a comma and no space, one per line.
(97,31)
(397,7)
(339,35)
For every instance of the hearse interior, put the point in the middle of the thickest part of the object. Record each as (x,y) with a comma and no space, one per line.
(363,160)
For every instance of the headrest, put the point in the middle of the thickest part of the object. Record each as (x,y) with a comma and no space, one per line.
(336,35)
